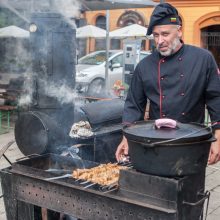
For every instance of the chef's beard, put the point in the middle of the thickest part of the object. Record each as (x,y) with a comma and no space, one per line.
(171,50)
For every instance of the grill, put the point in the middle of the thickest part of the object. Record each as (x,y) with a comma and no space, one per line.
(105,120)
(102,145)
(139,196)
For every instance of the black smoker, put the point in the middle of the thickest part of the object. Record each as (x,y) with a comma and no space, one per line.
(45,126)
(53,46)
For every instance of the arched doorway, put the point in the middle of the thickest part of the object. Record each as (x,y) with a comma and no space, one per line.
(210,40)
(207,33)
(101,23)
(129,17)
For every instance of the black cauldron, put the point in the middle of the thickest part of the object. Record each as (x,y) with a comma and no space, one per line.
(178,151)
(38,133)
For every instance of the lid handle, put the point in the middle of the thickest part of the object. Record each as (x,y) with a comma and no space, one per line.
(165,123)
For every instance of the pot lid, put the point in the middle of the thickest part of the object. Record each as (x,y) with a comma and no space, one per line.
(147,132)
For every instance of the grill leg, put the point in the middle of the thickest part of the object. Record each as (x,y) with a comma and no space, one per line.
(10,201)
(194,186)
(25,211)
(0,121)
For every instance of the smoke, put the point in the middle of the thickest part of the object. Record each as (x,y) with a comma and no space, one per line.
(26,97)
(6,4)
(14,55)
(68,8)
(17,58)
(63,93)
(15,66)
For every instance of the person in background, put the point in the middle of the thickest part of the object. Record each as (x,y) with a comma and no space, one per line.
(179,80)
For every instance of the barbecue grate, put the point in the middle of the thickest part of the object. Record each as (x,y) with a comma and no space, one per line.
(139,195)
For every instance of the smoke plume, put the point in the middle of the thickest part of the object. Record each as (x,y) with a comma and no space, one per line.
(68,8)
(63,93)
(19,58)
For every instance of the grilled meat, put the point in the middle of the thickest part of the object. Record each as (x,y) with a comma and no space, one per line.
(104,174)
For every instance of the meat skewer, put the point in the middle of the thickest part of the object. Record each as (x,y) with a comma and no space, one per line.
(104,174)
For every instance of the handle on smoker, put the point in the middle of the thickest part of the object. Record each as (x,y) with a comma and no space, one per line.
(28,157)
(205,195)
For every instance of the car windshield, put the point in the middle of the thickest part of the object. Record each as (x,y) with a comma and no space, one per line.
(94,58)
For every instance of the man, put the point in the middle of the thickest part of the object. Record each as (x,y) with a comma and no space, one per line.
(177,79)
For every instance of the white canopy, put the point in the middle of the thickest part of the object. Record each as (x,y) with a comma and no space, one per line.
(14,31)
(134,30)
(90,31)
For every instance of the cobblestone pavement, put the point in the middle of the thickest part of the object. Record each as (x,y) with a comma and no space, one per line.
(212,178)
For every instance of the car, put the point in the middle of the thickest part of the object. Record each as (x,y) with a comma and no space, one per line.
(90,70)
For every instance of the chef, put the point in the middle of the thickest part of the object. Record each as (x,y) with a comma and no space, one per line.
(179,80)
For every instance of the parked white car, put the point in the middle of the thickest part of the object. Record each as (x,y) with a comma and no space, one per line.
(90,70)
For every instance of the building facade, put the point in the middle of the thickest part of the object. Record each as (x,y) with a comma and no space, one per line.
(201,23)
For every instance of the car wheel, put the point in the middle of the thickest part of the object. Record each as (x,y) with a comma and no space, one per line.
(96,87)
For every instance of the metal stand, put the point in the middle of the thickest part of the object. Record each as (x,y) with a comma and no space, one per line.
(3,150)
(5,111)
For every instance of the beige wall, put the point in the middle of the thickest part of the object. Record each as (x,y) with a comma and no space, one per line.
(196,15)
(190,17)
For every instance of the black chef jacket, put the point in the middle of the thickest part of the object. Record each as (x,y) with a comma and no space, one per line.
(178,87)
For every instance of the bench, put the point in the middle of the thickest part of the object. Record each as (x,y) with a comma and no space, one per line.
(5,112)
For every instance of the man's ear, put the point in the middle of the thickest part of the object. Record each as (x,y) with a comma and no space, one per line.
(180,32)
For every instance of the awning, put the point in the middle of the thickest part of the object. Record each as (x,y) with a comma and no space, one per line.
(90,31)
(14,31)
(134,30)
(94,5)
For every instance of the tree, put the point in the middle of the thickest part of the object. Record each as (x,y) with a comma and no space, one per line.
(8,18)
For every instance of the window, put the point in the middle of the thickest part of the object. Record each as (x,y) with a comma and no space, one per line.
(101,23)
(118,59)
(115,44)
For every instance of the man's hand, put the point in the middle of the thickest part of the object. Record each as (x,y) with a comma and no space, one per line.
(122,149)
(214,155)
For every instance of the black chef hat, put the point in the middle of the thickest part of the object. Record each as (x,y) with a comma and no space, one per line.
(163,14)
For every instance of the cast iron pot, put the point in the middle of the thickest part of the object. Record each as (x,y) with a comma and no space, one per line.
(170,152)
(38,133)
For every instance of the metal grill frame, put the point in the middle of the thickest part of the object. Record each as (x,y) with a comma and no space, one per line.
(140,196)
(71,200)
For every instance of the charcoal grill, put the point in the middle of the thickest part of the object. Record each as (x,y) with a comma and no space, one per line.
(139,196)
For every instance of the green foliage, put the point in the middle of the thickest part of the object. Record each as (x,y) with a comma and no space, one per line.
(8,18)
(3,19)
